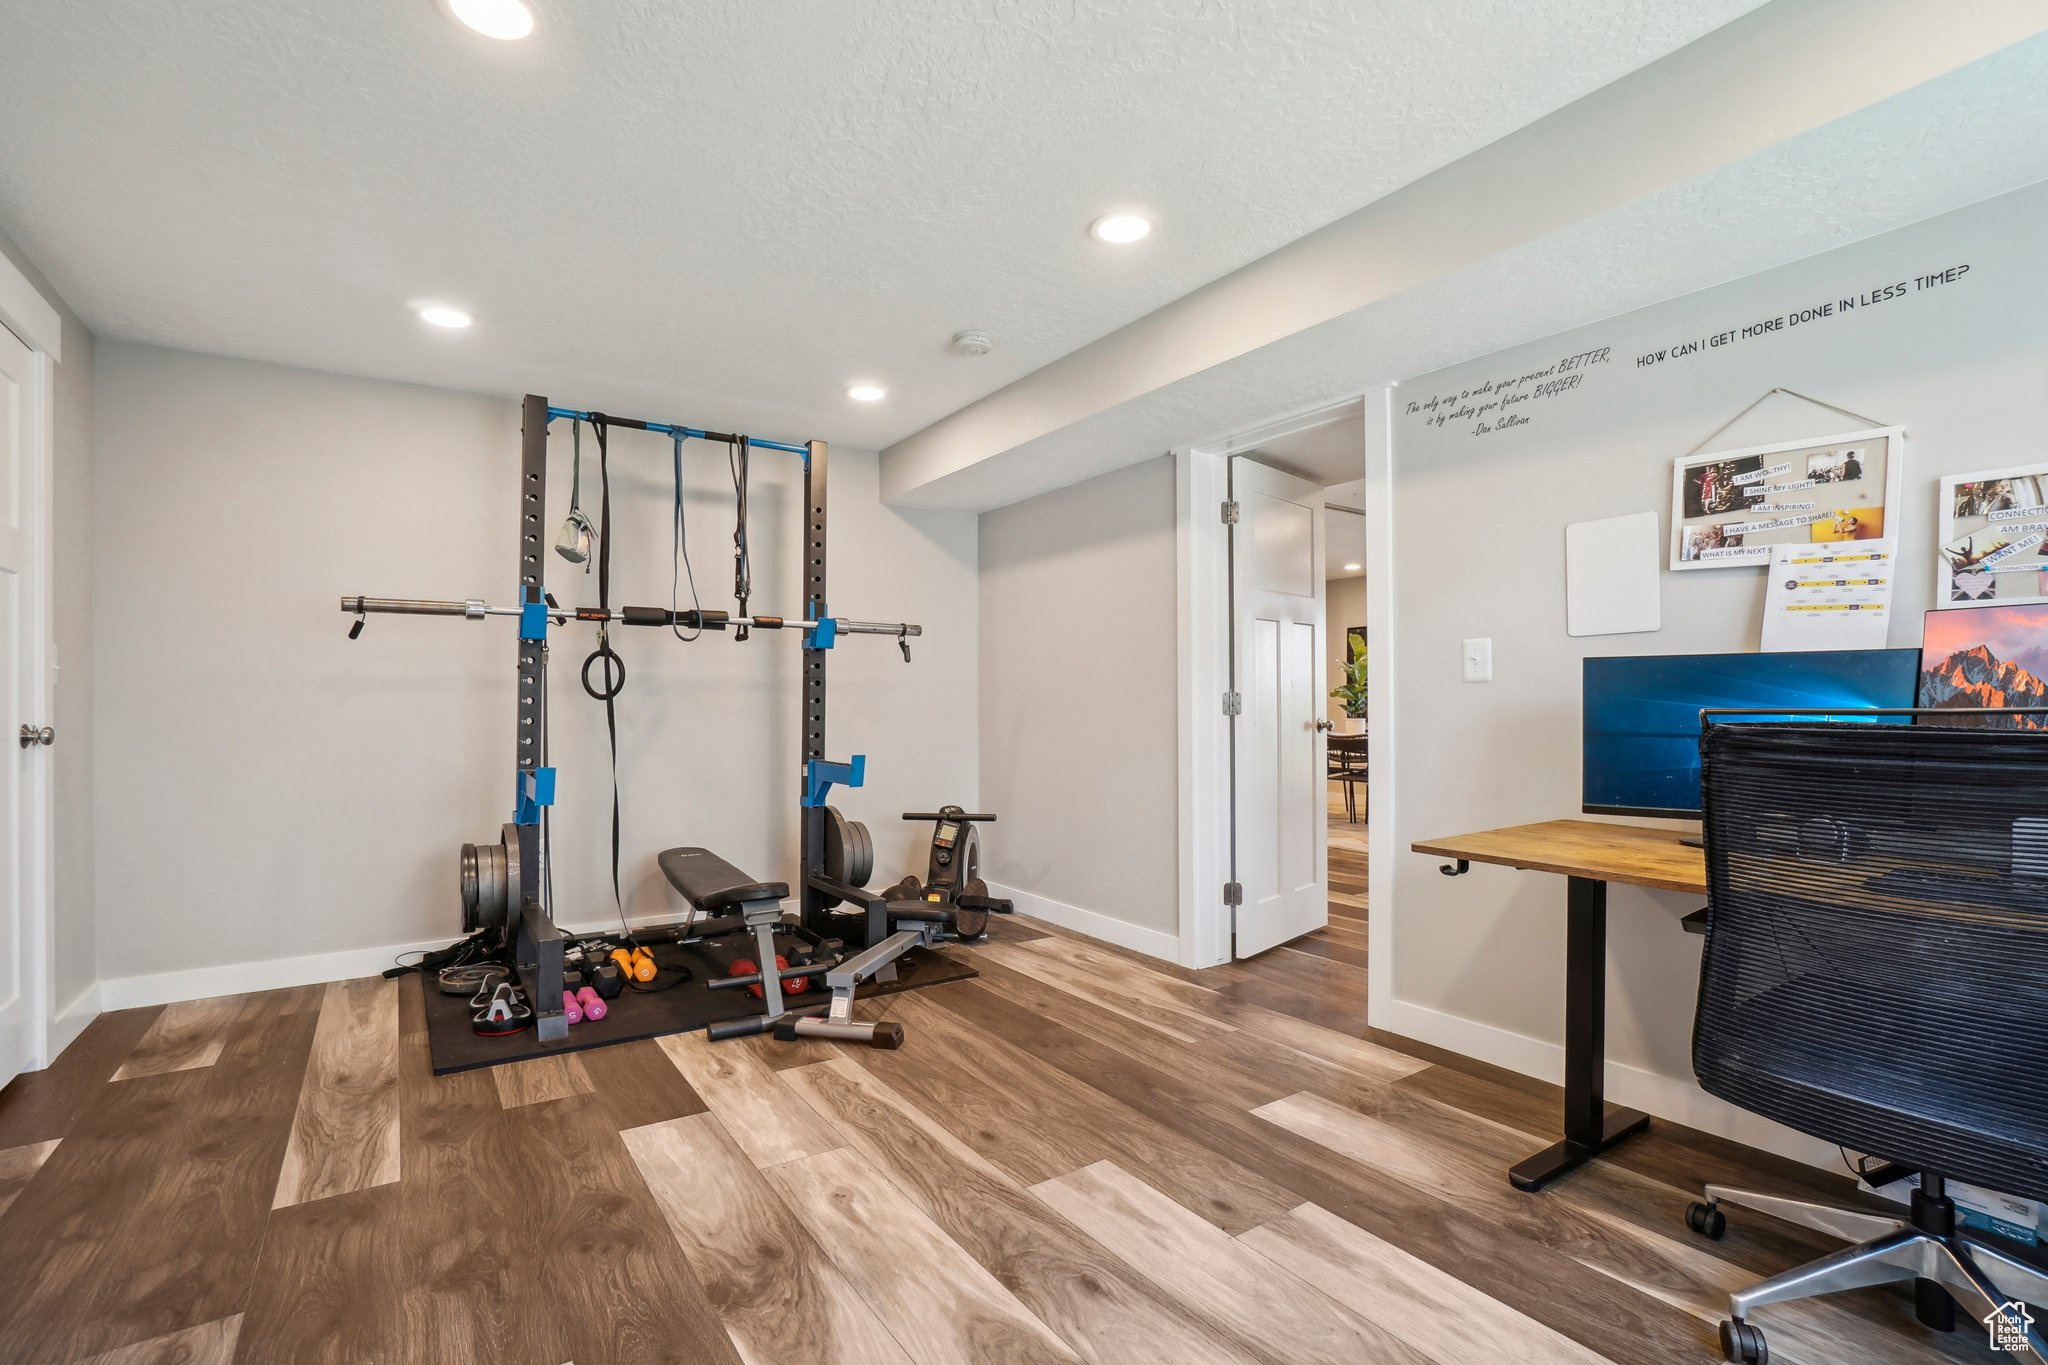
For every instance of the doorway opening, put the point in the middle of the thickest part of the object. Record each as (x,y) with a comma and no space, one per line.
(1277,779)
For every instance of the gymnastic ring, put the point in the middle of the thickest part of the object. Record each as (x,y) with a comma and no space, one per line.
(612,660)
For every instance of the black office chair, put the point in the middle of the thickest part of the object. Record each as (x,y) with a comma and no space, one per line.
(1876,975)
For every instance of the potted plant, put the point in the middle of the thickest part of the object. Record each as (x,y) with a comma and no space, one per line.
(1351,696)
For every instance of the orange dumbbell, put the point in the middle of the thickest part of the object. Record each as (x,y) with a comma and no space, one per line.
(637,964)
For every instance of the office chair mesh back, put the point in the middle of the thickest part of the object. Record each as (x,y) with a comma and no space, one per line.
(1876,969)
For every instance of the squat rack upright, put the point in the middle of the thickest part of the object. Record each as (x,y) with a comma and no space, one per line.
(536,941)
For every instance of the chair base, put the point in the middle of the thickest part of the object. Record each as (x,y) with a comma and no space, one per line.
(1950,1268)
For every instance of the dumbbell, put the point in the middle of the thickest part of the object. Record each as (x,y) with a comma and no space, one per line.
(795,985)
(637,964)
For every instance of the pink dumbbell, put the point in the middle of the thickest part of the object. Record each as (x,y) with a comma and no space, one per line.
(593,1004)
(571,1008)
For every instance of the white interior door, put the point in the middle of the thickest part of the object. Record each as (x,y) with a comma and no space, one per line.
(20,616)
(1282,831)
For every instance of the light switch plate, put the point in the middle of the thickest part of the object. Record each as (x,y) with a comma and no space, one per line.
(1479,661)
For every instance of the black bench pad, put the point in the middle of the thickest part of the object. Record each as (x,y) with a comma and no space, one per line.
(710,883)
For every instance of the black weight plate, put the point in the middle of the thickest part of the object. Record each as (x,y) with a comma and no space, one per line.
(864,866)
(471,873)
(849,851)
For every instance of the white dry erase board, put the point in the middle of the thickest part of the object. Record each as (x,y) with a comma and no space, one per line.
(1613,582)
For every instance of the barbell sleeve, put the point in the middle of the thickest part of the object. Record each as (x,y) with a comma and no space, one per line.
(473,608)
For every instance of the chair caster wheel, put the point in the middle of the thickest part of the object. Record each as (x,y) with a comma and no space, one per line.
(1708,1221)
(1743,1344)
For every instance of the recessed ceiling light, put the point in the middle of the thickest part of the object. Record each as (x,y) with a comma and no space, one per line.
(1120,229)
(867,393)
(507,19)
(441,315)
(1353,568)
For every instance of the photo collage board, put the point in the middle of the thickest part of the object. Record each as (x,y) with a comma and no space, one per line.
(1732,506)
(1994,538)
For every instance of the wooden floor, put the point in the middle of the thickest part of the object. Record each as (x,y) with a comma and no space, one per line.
(1082,1155)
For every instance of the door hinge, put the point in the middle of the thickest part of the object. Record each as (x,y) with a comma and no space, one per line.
(1233,893)
(1230,513)
(1233,703)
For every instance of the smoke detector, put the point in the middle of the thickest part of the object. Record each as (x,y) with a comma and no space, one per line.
(973,343)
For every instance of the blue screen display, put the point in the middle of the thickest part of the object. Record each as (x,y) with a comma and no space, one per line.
(1642,715)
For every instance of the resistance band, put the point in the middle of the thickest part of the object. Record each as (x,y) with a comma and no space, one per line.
(679,561)
(614,666)
(742,569)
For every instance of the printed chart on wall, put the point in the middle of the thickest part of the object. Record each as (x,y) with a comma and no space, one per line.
(1832,596)
(1994,538)
(1736,506)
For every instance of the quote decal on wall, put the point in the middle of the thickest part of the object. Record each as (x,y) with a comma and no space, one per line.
(1498,404)
(1515,398)
(1802,317)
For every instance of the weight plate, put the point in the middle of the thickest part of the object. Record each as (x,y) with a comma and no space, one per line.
(864,866)
(470,862)
(849,851)
(490,881)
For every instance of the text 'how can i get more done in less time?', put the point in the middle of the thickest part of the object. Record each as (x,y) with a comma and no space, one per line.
(1804,316)
(1507,401)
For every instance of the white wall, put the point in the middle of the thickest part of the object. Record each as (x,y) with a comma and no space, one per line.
(71,880)
(1079,712)
(270,792)
(1478,962)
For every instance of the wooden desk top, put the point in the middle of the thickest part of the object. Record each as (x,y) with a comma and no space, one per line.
(1635,855)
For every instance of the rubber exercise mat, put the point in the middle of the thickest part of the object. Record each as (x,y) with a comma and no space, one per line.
(638,1014)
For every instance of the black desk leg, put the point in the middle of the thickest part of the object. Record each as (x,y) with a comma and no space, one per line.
(1588,1128)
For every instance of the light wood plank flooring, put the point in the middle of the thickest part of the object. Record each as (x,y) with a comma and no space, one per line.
(1082,1155)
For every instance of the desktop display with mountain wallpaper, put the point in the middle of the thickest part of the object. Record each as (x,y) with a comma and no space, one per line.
(1978,657)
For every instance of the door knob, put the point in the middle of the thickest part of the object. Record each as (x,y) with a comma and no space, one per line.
(1321,725)
(31,735)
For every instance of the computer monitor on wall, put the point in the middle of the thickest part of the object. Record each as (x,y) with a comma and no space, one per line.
(1642,713)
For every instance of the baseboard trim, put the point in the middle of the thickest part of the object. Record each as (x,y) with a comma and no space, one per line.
(73,1019)
(1151,942)
(239,978)
(1679,1100)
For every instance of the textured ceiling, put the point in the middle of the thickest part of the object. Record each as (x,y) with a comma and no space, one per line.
(726,210)
(1971,135)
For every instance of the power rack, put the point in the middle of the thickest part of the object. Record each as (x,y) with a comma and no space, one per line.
(529,934)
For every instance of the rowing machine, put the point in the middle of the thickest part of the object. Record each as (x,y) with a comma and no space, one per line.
(953,872)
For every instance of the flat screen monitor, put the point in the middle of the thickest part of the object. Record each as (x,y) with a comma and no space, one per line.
(1975,657)
(1642,714)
